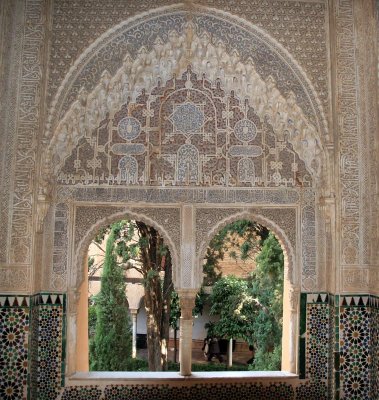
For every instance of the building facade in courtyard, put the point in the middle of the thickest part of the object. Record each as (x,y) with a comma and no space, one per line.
(189,116)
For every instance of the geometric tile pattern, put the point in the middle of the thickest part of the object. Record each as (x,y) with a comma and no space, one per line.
(352,338)
(81,393)
(374,346)
(33,354)
(302,335)
(312,391)
(219,391)
(318,336)
(332,340)
(317,343)
(200,392)
(14,333)
(355,357)
(48,325)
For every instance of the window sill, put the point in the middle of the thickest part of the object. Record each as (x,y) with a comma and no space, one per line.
(100,377)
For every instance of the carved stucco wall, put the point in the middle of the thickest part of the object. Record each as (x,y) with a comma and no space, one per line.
(30,21)
(357,132)
(331,232)
(74,25)
(300,26)
(186,118)
(251,65)
(25,54)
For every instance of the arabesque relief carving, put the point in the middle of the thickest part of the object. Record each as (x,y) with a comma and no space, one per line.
(282,222)
(191,89)
(90,219)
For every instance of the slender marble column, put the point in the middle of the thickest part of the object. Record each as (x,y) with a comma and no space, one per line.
(134,332)
(187,302)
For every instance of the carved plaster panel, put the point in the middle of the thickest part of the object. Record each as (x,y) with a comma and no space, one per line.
(348,133)
(281,221)
(61,247)
(374,280)
(287,107)
(186,133)
(355,279)
(299,26)
(12,29)
(365,27)
(208,218)
(28,125)
(89,216)
(16,279)
(170,195)
(89,219)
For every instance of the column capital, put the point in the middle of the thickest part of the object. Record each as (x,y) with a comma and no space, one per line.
(187,292)
(187,302)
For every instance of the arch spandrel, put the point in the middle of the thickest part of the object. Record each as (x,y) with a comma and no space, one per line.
(215,220)
(154,217)
(292,110)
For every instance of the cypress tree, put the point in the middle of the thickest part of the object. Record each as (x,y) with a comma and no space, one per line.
(112,345)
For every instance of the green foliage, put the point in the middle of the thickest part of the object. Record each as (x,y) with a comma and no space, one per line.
(92,316)
(267,361)
(137,364)
(112,342)
(140,247)
(232,302)
(266,283)
(91,261)
(243,234)
(200,300)
(174,310)
(252,309)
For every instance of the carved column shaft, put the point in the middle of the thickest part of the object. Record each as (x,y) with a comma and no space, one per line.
(187,302)
(134,333)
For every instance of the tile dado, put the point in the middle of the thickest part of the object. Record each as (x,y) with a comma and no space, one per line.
(335,333)
(31,346)
(358,346)
(339,343)
(211,391)
(14,346)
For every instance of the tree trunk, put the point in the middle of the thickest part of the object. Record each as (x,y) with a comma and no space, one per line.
(157,296)
(166,310)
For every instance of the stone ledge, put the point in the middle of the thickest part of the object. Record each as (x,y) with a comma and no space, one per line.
(100,377)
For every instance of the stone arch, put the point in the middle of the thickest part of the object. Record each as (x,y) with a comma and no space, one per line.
(78,106)
(291,289)
(82,247)
(289,256)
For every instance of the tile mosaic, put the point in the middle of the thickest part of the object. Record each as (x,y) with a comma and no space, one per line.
(81,393)
(312,391)
(14,335)
(355,358)
(317,342)
(340,337)
(219,391)
(374,342)
(47,354)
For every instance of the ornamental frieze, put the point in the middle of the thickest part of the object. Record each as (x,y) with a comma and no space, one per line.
(188,132)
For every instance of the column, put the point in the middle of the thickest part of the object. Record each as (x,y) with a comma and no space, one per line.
(134,313)
(187,303)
